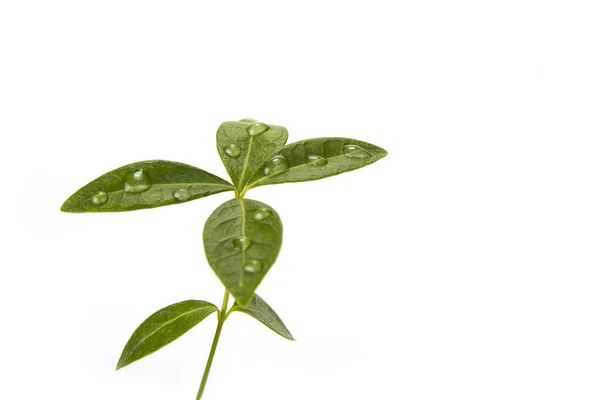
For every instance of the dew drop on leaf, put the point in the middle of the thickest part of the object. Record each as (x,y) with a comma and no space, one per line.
(253,266)
(256,128)
(316,161)
(354,151)
(233,150)
(276,165)
(182,194)
(137,181)
(242,243)
(99,198)
(262,213)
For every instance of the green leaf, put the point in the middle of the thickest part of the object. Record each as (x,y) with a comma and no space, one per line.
(260,310)
(318,158)
(145,184)
(242,239)
(163,327)
(243,153)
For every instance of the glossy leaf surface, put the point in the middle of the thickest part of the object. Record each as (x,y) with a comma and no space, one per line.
(261,311)
(163,327)
(243,153)
(160,183)
(319,158)
(242,239)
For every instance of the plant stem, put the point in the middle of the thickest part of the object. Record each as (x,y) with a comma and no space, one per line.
(222,317)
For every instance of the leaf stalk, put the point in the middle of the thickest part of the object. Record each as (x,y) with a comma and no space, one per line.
(222,317)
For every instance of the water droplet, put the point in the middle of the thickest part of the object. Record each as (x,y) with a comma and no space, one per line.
(233,150)
(316,161)
(137,181)
(276,165)
(256,128)
(253,266)
(262,213)
(242,243)
(182,194)
(99,198)
(354,151)
(247,120)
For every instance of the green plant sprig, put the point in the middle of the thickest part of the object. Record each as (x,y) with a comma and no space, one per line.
(242,237)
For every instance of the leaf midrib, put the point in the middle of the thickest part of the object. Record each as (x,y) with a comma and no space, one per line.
(246,161)
(243,215)
(253,184)
(166,185)
(170,322)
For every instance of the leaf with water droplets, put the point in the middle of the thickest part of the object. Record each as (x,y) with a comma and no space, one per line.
(316,161)
(245,146)
(163,327)
(276,165)
(242,239)
(260,310)
(262,213)
(99,198)
(137,181)
(145,184)
(318,158)
(233,150)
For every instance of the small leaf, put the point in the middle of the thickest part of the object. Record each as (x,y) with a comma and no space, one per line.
(242,239)
(260,310)
(244,149)
(163,327)
(145,184)
(318,158)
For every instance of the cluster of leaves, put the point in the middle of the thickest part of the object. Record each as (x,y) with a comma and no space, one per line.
(242,237)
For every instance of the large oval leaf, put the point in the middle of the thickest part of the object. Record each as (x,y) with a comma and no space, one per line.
(242,239)
(163,327)
(145,184)
(318,158)
(243,153)
(261,311)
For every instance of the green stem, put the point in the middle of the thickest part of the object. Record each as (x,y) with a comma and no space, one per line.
(222,317)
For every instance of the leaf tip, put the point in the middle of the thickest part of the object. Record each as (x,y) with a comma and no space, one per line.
(65,207)
(121,363)
(70,206)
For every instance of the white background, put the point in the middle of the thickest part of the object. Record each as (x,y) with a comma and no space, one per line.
(465,265)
